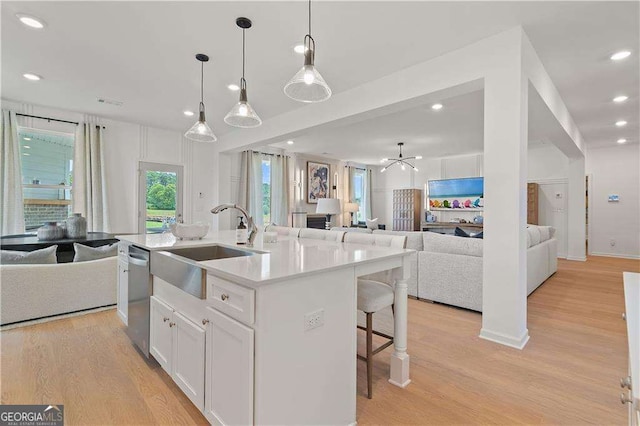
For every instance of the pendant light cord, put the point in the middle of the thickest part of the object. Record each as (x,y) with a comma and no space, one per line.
(201,82)
(243,31)
(309,17)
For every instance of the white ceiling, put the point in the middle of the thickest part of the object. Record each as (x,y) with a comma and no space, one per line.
(142,53)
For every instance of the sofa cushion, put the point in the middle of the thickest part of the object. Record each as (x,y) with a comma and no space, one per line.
(459,232)
(351,229)
(533,236)
(86,253)
(42,256)
(451,244)
(414,238)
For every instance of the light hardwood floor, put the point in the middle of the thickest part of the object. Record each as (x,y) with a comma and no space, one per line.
(567,374)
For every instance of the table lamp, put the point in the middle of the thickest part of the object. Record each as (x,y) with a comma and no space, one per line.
(328,206)
(351,208)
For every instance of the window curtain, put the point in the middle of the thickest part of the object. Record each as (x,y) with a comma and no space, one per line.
(11,186)
(368,193)
(280,190)
(251,185)
(89,177)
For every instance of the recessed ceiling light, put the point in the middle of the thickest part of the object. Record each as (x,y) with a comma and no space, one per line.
(384,160)
(30,21)
(32,77)
(27,139)
(289,142)
(620,55)
(233,87)
(622,140)
(26,147)
(418,157)
(436,106)
(621,123)
(25,153)
(188,113)
(620,98)
(299,48)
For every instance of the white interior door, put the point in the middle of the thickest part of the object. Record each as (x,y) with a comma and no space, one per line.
(552,211)
(160,196)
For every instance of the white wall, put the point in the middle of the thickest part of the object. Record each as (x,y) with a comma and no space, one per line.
(126,145)
(614,170)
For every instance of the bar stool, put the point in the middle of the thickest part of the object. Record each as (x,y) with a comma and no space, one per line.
(373,296)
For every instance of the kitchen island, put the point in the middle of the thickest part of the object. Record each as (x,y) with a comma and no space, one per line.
(272,337)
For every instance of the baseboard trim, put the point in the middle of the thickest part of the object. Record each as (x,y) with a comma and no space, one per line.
(503,339)
(577,258)
(620,256)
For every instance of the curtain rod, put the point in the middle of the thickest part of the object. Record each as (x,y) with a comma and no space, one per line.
(268,153)
(358,168)
(51,119)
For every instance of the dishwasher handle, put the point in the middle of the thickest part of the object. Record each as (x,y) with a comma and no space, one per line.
(138,262)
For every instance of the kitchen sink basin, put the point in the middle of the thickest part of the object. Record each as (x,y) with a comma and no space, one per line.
(179,268)
(200,254)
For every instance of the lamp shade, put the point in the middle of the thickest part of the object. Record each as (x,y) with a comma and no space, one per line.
(351,207)
(328,206)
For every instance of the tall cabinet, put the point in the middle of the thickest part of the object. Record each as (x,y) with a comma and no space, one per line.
(406,209)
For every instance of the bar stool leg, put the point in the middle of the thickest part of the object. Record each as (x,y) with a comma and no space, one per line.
(369,355)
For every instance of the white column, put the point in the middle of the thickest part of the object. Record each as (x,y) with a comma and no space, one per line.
(399,374)
(576,210)
(504,293)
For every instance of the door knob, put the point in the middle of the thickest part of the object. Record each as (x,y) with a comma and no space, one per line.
(224,296)
(205,321)
(165,319)
(625,399)
(625,382)
(624,316)
(171,324)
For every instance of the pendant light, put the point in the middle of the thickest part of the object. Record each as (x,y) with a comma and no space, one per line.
(402,161)
(242,115)
(308,85)
(201,131)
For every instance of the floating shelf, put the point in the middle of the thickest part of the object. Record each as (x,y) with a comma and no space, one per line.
(441,209)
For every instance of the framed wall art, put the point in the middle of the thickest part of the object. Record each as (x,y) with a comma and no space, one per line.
(317,181)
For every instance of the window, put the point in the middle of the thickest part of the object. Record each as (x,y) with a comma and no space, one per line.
(160,196)
(359,182)
(266,190)
(47,174)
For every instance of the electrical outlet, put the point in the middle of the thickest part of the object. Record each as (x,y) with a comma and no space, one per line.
(314,319)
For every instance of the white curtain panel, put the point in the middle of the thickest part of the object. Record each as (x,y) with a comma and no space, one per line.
(251,185)
(368,193)
(89,179)
(11,174)
(280,190)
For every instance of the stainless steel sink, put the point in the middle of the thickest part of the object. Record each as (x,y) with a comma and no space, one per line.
(179,268)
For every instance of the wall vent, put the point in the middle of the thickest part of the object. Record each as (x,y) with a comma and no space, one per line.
(109,102)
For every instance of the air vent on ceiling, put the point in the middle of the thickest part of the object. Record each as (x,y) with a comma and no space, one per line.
(109,102)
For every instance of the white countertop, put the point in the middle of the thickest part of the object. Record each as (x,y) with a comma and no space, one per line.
(632,312)
(286,258)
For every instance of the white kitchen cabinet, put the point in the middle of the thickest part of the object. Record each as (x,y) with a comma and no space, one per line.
(123,290)
(122,296)
(178,344)
(229,367)
(188,359)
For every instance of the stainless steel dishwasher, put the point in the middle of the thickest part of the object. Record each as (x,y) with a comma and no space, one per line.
(140,291)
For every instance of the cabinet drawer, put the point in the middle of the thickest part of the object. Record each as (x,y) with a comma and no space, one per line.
(234,300)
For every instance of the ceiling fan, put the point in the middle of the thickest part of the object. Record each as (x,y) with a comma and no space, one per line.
(402,161)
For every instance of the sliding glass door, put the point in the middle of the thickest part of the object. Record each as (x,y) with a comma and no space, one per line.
(159,196)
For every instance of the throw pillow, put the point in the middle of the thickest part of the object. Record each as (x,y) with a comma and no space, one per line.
(478,235)
(372,223)
(86,253)
(42,256)
(459,232)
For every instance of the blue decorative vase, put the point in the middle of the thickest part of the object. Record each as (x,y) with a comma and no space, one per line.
(76,226)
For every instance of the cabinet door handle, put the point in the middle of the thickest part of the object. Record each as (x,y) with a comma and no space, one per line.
(125,270)
(171,324)
(624,316)
(224,296)
(165,319)
(624,399)
(205,321)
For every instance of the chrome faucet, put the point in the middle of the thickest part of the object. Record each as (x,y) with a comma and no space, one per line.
(253,229)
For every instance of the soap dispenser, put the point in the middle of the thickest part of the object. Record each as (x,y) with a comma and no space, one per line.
(241,232)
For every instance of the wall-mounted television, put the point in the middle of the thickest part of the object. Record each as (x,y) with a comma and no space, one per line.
(464,193)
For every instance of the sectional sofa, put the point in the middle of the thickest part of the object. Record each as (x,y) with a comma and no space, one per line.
(448,269)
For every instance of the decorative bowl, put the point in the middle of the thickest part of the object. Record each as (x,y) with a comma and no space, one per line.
(189,232)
